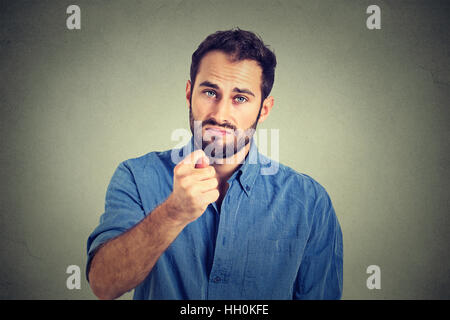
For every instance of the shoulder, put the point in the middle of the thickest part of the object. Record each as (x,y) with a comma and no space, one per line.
(151,160)
(291,179)
(306,198)
(309,194)
(150,168)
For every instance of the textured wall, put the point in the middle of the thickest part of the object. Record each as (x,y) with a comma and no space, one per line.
(364,112)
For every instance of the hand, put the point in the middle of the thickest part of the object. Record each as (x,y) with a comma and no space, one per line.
(195,186)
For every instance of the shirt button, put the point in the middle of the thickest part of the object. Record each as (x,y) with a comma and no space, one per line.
(247,188)
(216,279)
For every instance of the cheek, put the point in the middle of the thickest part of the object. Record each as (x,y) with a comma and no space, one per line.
(247,117)
(201,105)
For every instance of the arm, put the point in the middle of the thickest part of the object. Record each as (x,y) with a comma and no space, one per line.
(321,269)
(123,262)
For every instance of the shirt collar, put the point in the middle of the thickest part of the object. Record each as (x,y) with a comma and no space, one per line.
(248,171)
(246,174)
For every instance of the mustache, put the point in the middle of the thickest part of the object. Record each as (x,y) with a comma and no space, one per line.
(213,122)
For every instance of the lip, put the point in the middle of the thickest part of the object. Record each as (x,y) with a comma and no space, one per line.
(218,131)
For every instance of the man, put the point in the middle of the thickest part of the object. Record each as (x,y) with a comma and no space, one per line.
(209,224)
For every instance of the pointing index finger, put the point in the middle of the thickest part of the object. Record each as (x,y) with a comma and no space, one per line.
(196,159)
(202,163)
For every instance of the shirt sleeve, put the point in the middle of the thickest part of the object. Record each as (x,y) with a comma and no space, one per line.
(321,270)
(123,210)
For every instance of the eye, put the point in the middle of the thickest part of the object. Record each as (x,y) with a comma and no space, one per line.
(240,99)
(210,93)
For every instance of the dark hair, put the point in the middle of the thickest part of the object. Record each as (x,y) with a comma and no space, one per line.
(240,45)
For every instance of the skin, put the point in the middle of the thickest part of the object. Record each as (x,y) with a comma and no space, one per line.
(124,262)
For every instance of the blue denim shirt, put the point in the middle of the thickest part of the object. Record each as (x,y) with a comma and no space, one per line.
(276,235)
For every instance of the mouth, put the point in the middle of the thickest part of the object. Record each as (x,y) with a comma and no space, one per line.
(217,131)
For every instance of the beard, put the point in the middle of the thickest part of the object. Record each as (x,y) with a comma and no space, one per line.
(215,147)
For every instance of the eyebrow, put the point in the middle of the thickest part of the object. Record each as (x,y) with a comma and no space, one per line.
(215,86)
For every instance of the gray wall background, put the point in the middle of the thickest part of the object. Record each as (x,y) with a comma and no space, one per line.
(363,112)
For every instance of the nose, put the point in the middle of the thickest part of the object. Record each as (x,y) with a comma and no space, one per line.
(221,111)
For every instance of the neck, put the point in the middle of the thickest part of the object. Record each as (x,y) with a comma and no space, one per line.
(226,167)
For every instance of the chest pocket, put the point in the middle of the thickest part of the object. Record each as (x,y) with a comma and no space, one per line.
(271,268)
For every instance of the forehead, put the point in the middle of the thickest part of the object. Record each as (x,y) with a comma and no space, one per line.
(218,67)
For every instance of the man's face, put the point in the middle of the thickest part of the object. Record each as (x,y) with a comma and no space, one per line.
(226,98)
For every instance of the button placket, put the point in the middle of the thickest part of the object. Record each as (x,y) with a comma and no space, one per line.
(221,268)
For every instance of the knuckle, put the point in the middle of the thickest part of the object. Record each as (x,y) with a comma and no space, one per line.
(183,183)
(177,169)
(190,192)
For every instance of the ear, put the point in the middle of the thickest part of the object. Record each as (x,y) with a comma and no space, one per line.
(266,108)
(188,93)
